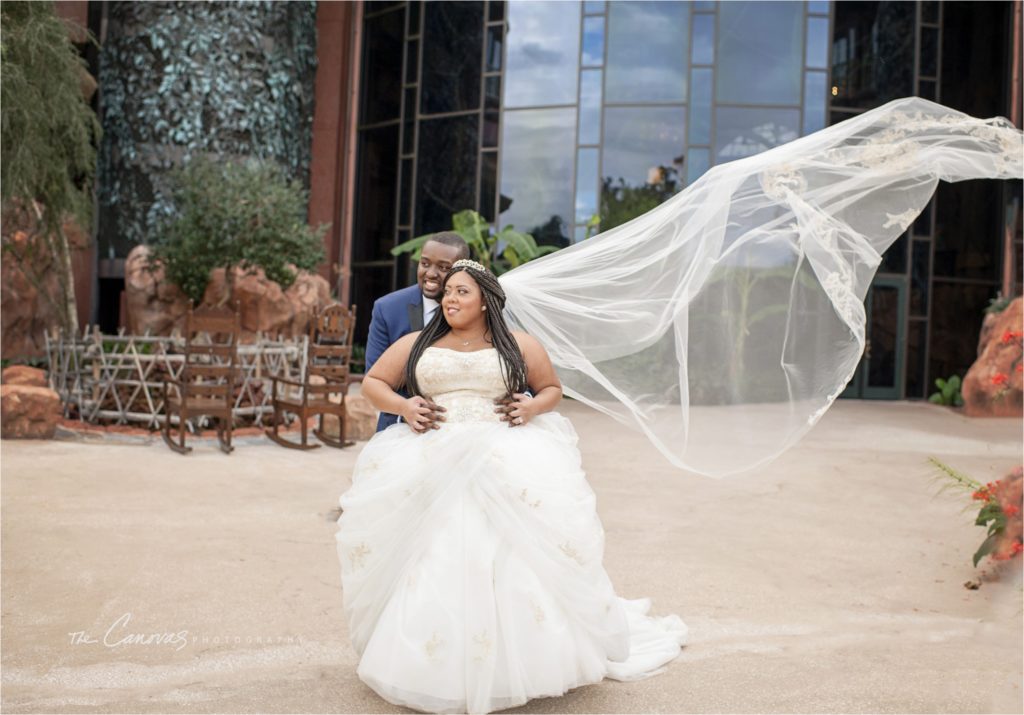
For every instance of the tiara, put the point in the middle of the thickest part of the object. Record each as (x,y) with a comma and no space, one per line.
(467,263)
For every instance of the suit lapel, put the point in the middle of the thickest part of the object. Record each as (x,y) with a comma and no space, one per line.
(416,315)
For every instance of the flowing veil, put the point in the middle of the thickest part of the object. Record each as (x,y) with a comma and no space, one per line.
(724,322)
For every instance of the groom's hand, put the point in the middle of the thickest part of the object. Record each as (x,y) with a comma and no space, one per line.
(516,409)
(422,414)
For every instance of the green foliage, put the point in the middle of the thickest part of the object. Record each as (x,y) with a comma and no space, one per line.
(998,304)
(235,215)
(621,203)
(991,513)
(230,79)
(48,128)
(499,251)
(949,392)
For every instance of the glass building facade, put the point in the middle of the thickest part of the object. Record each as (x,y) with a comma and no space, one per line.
(555,116)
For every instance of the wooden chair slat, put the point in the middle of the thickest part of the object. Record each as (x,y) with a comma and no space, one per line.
(205,382)
(328,358)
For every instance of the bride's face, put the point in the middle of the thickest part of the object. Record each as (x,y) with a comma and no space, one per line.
(462,301)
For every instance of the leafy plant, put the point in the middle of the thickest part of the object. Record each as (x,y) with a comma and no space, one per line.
(1000,504)
(949,392)
(499,251)
(236,216)
(49,131)
(998,304)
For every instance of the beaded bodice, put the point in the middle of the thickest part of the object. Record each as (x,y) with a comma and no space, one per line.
(464,383)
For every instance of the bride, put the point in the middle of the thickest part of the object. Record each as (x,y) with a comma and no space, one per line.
(722,323)
(469,542)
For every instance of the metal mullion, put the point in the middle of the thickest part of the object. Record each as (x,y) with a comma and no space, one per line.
(378,125)
(576,129)
(537,106)
(850,110)
(600,112)
(917,46)
(477,193)
(967,281)
(736,105)
(804,70)
(385,11)
(499,147)
(675,103)
(447,115)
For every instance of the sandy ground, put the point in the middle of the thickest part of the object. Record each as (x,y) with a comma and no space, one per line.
(829,581)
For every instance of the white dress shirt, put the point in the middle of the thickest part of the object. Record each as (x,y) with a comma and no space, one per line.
(429,306)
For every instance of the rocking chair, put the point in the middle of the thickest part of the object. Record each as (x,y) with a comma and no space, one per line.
(328,362)
(206,384)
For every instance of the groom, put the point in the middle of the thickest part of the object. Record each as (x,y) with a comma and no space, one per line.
(403,311)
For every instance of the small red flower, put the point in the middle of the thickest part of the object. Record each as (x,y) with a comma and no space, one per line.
(1011,510)
(1017,548)
(1000,378)
(1020,367)
(1007,336)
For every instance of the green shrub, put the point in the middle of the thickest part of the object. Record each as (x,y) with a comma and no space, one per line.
(236,216)
(949,392)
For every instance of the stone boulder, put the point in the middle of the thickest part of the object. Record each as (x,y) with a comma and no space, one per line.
(25,313)
(28,412)
(362,419)
(993,385)
(24,375)
(159,306)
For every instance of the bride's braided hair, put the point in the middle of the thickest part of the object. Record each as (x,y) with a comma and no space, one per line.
(513,366)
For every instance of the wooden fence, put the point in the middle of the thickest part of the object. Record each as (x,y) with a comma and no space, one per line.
(118,379)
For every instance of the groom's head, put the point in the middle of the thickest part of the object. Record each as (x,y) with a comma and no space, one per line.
(436,259)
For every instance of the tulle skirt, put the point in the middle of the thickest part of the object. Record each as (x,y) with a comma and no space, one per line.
(471,567)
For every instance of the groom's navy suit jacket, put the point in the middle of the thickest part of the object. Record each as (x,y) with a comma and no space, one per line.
(394,315)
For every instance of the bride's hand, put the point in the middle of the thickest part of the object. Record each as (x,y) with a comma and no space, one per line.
(517,410)
(421,414)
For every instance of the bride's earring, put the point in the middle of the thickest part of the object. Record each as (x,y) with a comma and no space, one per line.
(483,308)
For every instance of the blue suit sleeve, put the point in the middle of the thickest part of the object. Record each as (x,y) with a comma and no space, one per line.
(377,341)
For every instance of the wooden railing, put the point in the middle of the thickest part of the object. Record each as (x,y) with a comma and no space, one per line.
(118,379)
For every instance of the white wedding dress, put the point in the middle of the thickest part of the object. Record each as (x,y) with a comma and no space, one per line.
(471,558)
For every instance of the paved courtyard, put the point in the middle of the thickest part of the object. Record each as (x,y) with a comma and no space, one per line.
(138,580)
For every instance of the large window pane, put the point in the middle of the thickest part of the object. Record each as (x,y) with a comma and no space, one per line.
(593,40)
(919,277)
(586,184)
(374,224)
(382,67)
(915,387)
(543,49)
(452,47)
(741,132)
(700,107)
(537,162)
(647,51)
(698,160)
(590,107)
(760,47)
(643,159)
(445,171)
(817,42)
(488,184)
(968,230)
(872,52)
(815,101)
(638,140)
(703,39)
(957,312)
